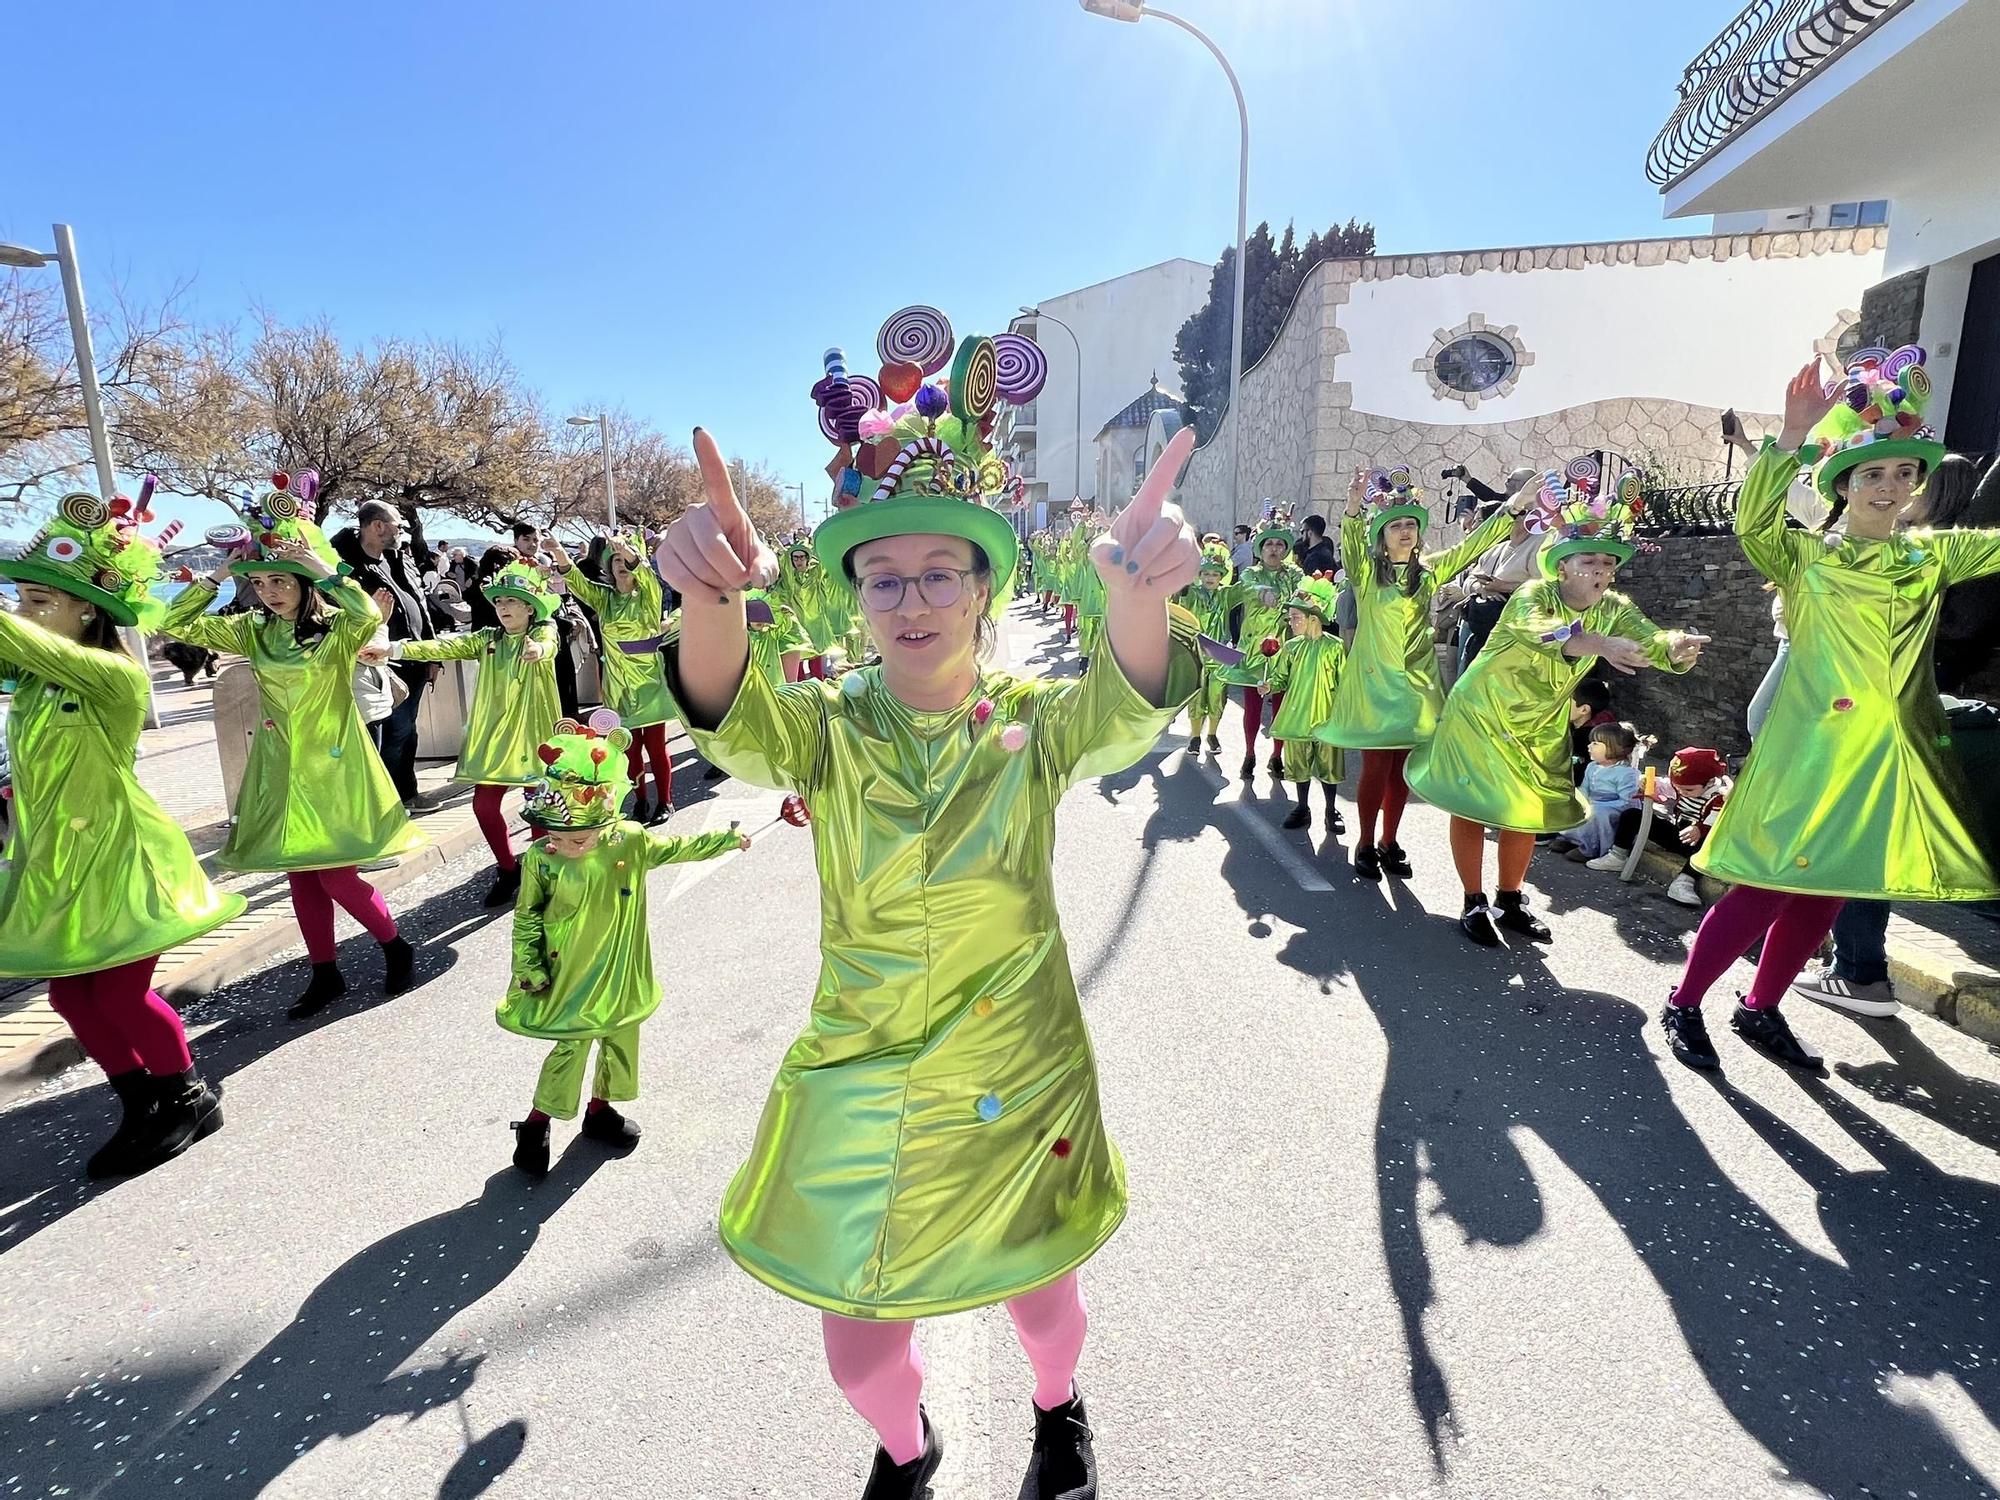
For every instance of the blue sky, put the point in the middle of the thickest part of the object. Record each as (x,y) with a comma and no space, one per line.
(676,207)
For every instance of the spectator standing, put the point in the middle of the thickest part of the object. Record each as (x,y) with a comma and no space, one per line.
(1315,553)
(1241,554)
(373,548)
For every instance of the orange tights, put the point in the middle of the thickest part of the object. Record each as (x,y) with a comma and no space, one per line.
(1468,854)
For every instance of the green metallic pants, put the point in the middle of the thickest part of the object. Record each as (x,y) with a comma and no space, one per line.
(1206,707)
(1310,760)
(560,1088)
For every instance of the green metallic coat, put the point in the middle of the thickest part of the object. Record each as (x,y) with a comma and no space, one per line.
(1210,608)
(1308,671)
(1261,592)
(1390,696)
(96,874)
(1851,788)
(932,1141)
(514,702)
(580,933)
(315,795)
(635,684)
(823,604)
(1501,754)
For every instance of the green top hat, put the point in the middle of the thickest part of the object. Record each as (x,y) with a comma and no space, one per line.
(1278,523)
(95,552)
(1580,520)
(584,783)
(280,517)
(1315,596)
(1215,559)
(928,466)
(523,581)
(1880,415)
(1393,496)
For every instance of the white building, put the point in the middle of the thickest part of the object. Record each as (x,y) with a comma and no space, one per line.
(1122,456)
(1871,110)
(1124,331)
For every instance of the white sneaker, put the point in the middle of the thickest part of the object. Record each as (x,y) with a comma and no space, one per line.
(1615,860)
(1682,889)
(1829,988)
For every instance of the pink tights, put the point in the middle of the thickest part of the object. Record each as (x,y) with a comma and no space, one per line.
(314,893)
(120,1020)
(486,802)
(1792,926)
(877,1366)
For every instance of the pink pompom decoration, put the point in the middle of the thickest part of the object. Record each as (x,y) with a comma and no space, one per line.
(875,425)
(982,710)
(1013,738)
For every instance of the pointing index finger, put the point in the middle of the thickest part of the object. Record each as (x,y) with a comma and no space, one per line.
(720,490)
(1137,518)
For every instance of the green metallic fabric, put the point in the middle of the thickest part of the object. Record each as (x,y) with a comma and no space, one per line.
(580,933)
(1261,592)
(1501,753)
(821,601)
(315,795)
(1210,608)
(1851,788)
(96,874)
(932,1141)
(559,1088)
(635,686)
(514,702)
(1307,670)
(1390,696)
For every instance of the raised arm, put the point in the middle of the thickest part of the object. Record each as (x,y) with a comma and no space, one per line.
(188,618)
(1775,550)
(1454,560)
(671,849)
(711,554)
(97,676)
(1149,555)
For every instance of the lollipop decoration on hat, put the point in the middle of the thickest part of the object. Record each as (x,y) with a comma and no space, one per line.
(1579,519)
(524,582)
(279,520)
(1880,415)
(1277,523)
(584,781)
(1393,495)
(94,550)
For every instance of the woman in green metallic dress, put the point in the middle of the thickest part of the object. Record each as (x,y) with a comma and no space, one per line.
(932,1142)
(315,802)
(818,602)
(98,881)
(1260,592)
(1500,758)
(1849,789)
(1390,697)
(513,703)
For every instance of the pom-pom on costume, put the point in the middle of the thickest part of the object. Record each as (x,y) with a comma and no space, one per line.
(1207,599)
(99,881)
(583,960)
(315,801)
(932,1142)
(513,702)
(1850,788)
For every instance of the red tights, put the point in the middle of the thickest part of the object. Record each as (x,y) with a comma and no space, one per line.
(1253,719)
(1792,927)
(314,894)
(486,802)
(816,667)
(1468,855)
(1383,790)
(1069,621)
(651,740)
(120,1020)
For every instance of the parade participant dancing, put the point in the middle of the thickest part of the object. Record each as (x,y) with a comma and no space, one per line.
(98,881)
(818,603)
(628,608)
(1501,758)
(315,800)
(1260,592)
(1848,791)
(1302,680)
(583,953)
(1390,696)
(1207,600)
(933,1142)
(512,703)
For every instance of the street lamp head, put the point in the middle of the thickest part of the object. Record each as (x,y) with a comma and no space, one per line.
(1116,10)
(582,421)
(1033,312)
(21,255)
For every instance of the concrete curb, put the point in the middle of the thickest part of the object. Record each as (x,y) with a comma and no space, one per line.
(226,954)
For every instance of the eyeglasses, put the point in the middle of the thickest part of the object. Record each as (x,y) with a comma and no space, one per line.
(940,588)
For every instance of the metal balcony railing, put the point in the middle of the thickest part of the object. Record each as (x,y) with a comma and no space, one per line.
(1024,416)
(1754,62)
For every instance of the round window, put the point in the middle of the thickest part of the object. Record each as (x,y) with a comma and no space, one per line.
(1474,363)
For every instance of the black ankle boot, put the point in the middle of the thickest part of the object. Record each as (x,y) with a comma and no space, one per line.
(184,1110)
(910,1481)
(1394,860)
(610,1128)
(399,965)
(1511,913)
(1301,815)
(1249,766)
(1214,745)
(1771,1033)
(1335,824)
(713,773)
(1687,1037)
(1276,764)
(506,886)
(1367,862)
(1194,744)
(1064,1464)
(1476,922)
(531,1146)
(135,1094)
(325,987)
(659,812)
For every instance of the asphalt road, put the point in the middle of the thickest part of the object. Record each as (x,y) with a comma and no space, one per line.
(1409,1218)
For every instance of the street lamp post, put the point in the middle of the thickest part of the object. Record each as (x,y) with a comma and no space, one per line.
(603,425)
(1137,10)
(1077,475)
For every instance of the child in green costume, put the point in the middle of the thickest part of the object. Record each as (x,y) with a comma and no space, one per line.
(1301,681)
(1207,599)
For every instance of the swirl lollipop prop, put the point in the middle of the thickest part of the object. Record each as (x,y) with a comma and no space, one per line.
(919,335)
(1583,472)
(975,379)
(1021,369)
(84,510)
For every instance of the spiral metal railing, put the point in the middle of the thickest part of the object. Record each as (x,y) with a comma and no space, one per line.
(1757,58)
(1689,509)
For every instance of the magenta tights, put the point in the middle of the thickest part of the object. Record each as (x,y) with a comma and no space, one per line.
(120,1021)
(878,1369)
(314,893)
(1791,925)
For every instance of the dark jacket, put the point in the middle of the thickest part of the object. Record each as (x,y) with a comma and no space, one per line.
(1320,557)
(409,619)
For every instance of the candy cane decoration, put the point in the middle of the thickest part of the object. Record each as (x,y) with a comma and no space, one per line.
(165,539)
(916,448)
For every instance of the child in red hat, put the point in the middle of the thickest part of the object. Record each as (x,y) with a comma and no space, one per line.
(1698,783)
